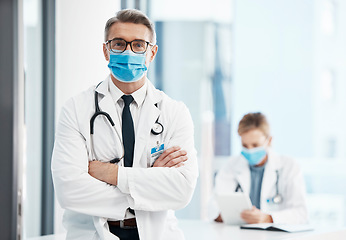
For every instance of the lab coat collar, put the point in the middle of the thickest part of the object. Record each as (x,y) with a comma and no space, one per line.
(243,175)
(103,87)
(152,93)
(242,172)
(272,164)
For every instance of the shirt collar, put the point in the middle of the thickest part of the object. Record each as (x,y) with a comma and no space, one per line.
(258,168)
(138,95)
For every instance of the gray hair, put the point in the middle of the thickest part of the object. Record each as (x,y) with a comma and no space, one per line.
(131,16)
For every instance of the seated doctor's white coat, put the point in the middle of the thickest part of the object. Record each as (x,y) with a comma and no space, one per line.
(152,192)
(291,186)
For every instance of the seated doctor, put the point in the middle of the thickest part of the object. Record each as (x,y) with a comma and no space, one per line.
(124,155)
(273,182)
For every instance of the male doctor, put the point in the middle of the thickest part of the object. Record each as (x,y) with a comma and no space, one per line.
(125,181)
(273,182)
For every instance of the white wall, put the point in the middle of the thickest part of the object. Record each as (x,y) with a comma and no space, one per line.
(79,37)
(79,56)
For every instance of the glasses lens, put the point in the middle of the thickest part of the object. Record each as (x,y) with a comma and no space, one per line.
(138,46)
(117,45)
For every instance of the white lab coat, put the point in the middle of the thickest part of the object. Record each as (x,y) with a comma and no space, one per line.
(152,192)
(291,186)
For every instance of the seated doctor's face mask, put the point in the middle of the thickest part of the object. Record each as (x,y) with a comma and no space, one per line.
(256,154)
(127,66)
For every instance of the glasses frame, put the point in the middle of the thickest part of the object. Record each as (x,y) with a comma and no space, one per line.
(128,43)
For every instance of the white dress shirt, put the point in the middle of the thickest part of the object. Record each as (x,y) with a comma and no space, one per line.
(135,109)
(135,106)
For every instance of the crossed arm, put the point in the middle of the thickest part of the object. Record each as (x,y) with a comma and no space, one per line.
(80,184)
(108,172)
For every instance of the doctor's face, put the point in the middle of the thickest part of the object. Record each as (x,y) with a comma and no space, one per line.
(130,32)
(254,138)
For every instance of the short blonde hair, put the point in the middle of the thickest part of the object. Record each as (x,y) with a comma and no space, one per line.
(252,121)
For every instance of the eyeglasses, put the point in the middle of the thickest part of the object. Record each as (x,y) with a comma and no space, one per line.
(119,45)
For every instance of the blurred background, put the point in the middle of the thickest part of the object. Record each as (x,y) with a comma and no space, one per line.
(223,58)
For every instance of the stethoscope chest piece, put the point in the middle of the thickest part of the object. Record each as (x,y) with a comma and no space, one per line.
(277,199)
(157,128)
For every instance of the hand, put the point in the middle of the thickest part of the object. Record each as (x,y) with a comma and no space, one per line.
(106,172)
(255,216)
(218,219)
(171,157)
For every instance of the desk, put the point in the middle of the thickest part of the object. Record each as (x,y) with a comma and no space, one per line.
(200,230)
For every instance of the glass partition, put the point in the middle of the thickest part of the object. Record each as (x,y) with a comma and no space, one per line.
(32,167)
(194,65)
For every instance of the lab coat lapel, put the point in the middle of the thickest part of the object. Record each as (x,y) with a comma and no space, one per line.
(243,175)
(147,118)
(269,177)
(107,104)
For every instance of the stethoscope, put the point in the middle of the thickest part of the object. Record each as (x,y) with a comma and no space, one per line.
(156,129)
(277,199)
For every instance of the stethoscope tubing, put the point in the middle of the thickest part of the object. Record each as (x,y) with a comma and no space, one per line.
(98,112)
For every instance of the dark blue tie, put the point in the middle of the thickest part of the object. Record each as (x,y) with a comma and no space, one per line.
(128,131)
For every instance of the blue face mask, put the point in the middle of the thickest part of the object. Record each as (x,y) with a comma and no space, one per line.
(255,155)
(127,66)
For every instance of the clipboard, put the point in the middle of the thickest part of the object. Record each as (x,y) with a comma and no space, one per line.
(231,205)
(290,228)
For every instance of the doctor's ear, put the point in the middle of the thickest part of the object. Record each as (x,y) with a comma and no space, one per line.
(270,141)
(153,52)
(105,52)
